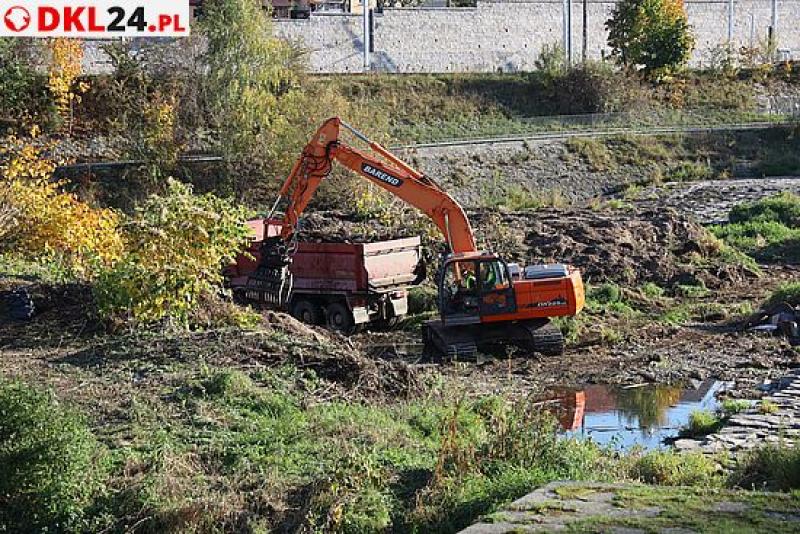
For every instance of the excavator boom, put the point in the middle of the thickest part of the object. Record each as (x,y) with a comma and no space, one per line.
(385,170)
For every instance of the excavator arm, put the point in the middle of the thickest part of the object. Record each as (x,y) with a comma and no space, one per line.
(386,170)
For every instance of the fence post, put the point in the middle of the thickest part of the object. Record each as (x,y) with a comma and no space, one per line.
(730,22)
(773,27)
(585,43)
(365,4)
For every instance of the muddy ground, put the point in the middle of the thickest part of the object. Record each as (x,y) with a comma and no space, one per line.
(647,351)
(630,246)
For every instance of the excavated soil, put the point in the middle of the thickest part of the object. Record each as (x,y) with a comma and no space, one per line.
(628,246)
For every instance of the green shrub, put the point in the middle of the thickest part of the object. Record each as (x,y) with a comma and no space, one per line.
(768,229)
(677,315)
(774,467)
(652,34)
(669,468)
(605,294)
(24,95)
(255,100)
(176,245)
(767,407)
(652,290)
(691,291)
(587,88)
(487,461)
(789,293)
(783,208)
(689,172)
(49,468)
(422,299)
(733,406)
(701,423)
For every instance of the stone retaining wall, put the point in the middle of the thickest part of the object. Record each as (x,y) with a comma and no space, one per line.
(502,35)
(509,36)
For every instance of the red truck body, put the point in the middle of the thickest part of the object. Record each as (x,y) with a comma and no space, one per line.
(368,279)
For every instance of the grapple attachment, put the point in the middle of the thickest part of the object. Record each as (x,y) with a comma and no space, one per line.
(271,282)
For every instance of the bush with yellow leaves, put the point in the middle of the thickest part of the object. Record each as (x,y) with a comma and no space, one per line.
(177,244)
(43,222)
(65,67)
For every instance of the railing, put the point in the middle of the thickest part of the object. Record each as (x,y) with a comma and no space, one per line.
(785,111)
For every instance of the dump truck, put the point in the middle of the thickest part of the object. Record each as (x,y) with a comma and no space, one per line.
(344,286)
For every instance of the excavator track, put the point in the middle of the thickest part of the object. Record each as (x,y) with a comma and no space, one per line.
(547,339)
(456,344)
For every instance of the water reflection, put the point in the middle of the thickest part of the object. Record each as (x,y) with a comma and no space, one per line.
(630,416)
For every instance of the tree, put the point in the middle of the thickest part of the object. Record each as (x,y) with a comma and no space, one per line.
(650,34)
(252,86)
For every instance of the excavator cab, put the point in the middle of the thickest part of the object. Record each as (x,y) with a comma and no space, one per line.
(474,286)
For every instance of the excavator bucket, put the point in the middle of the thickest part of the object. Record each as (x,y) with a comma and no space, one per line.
(271,282)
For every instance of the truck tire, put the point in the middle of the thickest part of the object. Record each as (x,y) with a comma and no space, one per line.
(307,312)
(339,318)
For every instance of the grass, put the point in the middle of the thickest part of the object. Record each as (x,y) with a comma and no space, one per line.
(593,151)
(696,509)
(188,457)
(788,293)
(666,468)
(51,467)
(701,423)
(767,407)
(733,406)
(691,291)
(774,467)
(768,230)
(426,108)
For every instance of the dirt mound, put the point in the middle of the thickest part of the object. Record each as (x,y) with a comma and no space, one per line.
(290,325)
(344,227)
(627,246)
(346,369)
(63,318)
(630,247)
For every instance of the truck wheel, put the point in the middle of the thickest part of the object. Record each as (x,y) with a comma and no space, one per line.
(306,311)
(339,318)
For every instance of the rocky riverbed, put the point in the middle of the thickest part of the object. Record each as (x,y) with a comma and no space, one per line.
(775,420)
(710,201)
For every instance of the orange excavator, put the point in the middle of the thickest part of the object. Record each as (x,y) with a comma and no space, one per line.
(482,299)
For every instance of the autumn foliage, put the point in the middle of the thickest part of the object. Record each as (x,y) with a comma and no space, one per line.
(42,221)
(653,35)
(177,244)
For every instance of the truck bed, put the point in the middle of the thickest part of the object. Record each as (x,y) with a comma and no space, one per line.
(339,267)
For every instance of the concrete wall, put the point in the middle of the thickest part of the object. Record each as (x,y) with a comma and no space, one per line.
(509,35)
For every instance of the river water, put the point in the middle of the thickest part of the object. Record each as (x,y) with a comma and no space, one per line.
(625,417)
